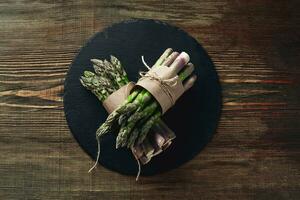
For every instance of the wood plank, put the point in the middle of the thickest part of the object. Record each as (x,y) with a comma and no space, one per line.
(255,153)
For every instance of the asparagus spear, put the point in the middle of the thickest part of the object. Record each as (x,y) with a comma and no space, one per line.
(117,76)
(135,105)
(107,125)
(118,66)
(147,126)
(123,134)
(135,133)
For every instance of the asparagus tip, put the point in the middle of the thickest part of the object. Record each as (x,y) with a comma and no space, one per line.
(118,144)
(112,57)
(82,81)
(88,74)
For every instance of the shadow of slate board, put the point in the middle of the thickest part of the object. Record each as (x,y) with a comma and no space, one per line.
(194,118)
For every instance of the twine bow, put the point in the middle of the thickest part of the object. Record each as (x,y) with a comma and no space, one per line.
(165,84)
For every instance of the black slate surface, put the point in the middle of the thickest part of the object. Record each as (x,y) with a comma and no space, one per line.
(194,117)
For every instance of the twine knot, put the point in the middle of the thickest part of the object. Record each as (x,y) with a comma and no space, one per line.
(165,84)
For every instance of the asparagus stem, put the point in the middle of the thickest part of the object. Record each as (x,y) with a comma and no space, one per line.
(186,72)
(125,130)
(108,124)
(136,105)
(133,136)
(163,57)
(135,133)
(123,118)
(147,126)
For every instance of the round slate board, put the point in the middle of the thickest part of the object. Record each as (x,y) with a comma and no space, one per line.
(194,117)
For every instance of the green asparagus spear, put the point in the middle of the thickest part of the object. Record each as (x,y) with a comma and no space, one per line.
(118,78)
(118,66)
(136,105)
(135,133)
(125,130)
(147,126)
(108,124)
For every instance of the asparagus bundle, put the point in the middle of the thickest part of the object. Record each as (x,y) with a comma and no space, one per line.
(144,111)
(109,77)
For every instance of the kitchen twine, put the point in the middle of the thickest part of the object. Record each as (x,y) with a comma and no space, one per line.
(139,165)
(165,84)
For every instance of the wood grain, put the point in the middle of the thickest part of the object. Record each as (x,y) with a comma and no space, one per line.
(255,154)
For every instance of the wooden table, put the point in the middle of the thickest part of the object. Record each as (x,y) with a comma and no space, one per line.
(255,46)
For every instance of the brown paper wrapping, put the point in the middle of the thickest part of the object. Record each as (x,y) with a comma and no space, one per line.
(117,98)
(163,85)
